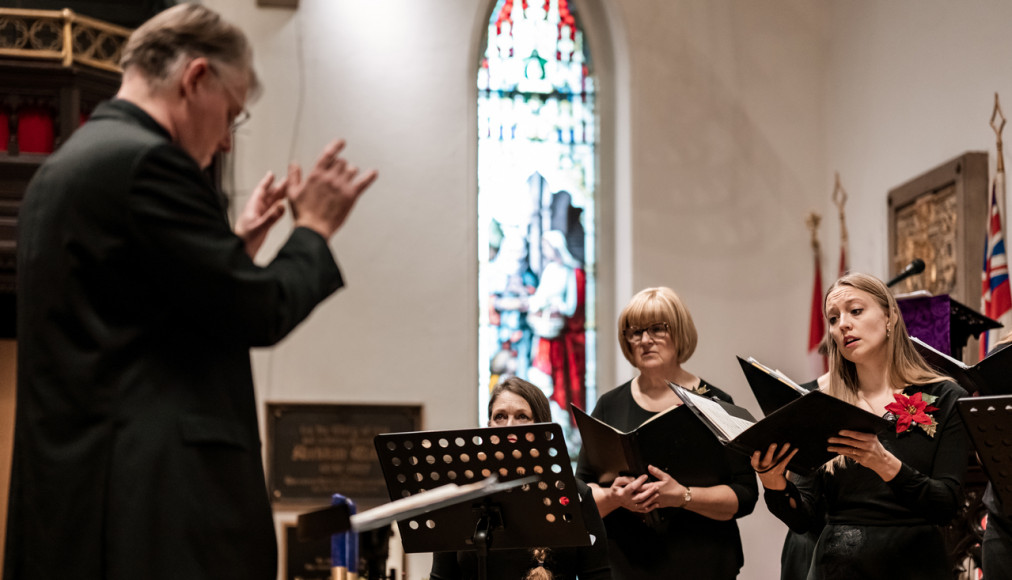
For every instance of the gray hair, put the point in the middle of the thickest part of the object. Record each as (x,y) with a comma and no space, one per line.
(184,31)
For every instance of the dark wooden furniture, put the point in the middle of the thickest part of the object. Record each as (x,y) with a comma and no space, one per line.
(55,67)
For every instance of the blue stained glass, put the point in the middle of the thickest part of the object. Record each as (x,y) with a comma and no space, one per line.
(537,163)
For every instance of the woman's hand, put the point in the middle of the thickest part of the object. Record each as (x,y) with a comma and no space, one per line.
(772,465)
(668,491)
(632,494)
(866,449)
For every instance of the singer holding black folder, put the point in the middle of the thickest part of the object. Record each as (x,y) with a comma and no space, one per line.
(885,496)
(695,534)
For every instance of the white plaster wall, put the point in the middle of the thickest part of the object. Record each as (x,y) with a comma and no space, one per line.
(727,159)
(911,85)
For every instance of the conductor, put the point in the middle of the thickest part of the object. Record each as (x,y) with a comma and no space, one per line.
(137,450)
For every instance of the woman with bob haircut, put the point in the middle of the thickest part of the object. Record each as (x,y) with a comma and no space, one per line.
(515,401)
(693,533)
(885,496)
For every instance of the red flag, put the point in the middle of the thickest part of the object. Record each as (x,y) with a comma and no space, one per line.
(817,323)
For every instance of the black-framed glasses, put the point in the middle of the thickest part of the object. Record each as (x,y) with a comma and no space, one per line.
(634,334)
(243,115)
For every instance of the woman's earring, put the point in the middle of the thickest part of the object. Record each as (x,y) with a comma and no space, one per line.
(888,330)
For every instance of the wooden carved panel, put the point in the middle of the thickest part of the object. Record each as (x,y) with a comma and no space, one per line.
(939,217)
(926,229)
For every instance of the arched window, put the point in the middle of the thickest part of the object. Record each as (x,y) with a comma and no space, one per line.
(537,163)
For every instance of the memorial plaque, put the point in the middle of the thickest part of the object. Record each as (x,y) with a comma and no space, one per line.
(317,450)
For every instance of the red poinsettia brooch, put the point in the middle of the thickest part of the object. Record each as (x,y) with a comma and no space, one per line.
(914,410)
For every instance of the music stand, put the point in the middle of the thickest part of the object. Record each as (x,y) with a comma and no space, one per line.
(546,513)
(988,421)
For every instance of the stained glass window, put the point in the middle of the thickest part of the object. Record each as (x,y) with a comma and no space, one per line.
(537,161)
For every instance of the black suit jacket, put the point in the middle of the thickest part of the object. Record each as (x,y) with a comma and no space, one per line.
(137,450)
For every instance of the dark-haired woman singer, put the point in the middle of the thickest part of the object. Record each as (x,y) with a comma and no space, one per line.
(514,401)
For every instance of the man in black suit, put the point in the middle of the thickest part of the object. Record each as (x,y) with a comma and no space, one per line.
(137,450)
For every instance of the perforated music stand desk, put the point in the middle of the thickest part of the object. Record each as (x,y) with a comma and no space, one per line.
(988,421)
(544,514)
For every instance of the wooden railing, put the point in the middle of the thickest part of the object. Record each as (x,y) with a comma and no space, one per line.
(61,35)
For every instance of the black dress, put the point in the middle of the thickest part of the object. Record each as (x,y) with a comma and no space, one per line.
(796,555)
(684,544)
(888,530)
(585,563)
(996,547)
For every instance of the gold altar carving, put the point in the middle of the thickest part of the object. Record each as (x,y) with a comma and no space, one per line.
(939,217)
(926,229)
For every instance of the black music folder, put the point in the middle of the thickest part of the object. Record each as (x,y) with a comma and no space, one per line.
(988,421)
(772,388)
(807,424)
(674,440)
(990,376)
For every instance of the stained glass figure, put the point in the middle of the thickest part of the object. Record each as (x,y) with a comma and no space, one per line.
(537,164)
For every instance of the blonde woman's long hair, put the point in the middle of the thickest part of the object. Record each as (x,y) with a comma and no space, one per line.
(904,365)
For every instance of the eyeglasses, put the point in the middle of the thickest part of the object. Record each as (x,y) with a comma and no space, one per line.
(243,115)
(656,330)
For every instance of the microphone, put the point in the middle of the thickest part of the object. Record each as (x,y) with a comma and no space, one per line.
(916,266)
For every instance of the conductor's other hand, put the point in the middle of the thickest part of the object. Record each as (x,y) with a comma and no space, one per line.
(323,201)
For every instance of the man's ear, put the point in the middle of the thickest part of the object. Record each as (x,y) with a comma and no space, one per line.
(193,73)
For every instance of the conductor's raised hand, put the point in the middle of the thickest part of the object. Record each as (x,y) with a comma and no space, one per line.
(323,201)
(265,207)
(772,465)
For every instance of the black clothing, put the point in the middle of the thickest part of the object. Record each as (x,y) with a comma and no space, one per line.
(872,522)
(684,544)
(796,555)
(996,547)
(136,448)
(585,563)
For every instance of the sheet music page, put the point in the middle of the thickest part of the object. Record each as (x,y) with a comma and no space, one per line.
(927,346)
(728,424)
(776,373)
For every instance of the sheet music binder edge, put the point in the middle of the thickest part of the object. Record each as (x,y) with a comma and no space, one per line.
(638,450)
(778,418)
(761,394)
(974,377)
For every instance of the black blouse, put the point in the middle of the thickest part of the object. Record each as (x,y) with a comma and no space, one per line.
(682,543)
(925,491)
